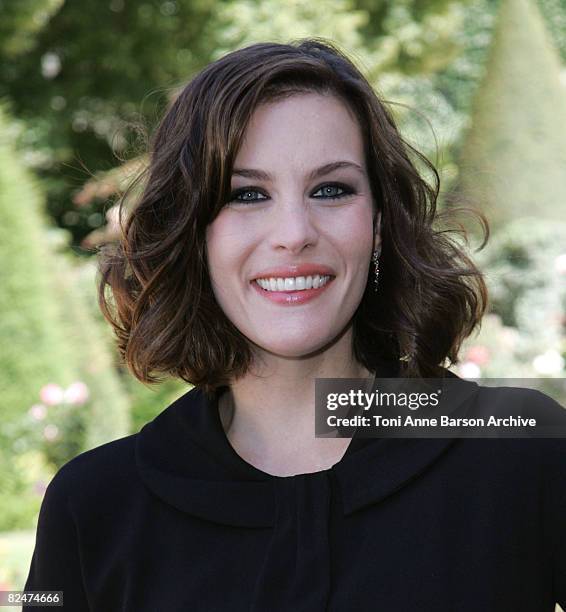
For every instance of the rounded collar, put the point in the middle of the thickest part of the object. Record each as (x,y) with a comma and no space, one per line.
(184,458)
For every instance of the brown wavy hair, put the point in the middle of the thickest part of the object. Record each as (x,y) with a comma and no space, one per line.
(165,317)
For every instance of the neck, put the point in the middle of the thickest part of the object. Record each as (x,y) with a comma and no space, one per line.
(268,415)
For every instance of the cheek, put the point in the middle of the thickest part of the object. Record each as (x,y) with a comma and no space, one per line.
(225,245)
(354,233)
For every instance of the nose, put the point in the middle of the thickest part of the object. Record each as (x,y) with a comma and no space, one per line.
(293,228)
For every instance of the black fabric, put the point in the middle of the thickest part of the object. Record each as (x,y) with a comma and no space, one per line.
(172,519)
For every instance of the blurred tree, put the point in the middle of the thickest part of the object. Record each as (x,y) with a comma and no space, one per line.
(94,73)
(554,13)
(34,351)
(21,20)
(107,416)
(48,335)
(525,332)
(525,264)
(417,37)
(513,159)
(459,80)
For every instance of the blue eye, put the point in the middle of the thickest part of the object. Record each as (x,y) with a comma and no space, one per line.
(346,191)
(247,191)
(234,197)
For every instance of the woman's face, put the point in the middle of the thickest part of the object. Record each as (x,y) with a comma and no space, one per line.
(287,225)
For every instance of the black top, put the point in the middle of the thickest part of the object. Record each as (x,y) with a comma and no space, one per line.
(173,519)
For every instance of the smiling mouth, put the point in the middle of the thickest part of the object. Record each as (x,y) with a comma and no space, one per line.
(293,283)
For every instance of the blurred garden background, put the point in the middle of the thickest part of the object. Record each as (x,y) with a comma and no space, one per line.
(479,86)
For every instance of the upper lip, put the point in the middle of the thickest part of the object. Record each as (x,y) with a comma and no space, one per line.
(306,269)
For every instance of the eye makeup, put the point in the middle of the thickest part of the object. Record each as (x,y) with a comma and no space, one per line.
(344,189)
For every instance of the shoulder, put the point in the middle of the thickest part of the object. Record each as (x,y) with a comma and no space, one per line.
(538,453)
(525,396)
(114,458)
(95,475)
(542,453)
(503,401)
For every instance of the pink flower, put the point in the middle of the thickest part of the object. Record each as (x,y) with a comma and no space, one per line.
(51,394)
(38,412)
(478,354)
(76,393)
(50,432)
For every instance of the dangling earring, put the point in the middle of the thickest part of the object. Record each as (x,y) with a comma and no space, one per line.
(375,259)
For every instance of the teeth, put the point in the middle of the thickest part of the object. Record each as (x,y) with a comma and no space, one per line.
(297,283)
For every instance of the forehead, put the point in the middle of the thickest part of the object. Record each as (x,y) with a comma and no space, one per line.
(301,130)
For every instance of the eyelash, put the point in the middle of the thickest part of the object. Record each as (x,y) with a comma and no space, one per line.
(346,191)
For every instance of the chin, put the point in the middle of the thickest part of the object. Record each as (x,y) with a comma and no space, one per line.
(289,349)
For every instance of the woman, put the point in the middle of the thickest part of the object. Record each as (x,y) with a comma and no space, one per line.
(284,235)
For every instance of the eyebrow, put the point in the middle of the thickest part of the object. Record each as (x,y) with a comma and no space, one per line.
(260,175)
